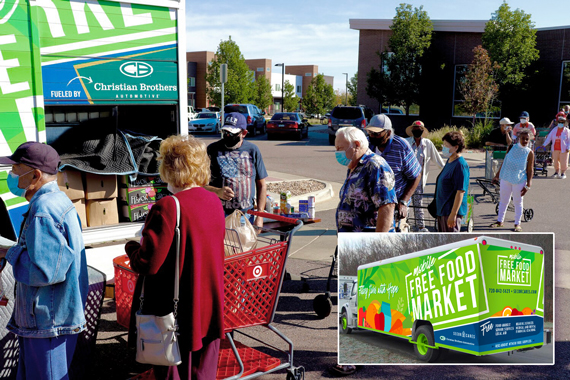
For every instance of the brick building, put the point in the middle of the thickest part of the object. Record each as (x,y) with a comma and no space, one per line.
(298,75)
(450,53)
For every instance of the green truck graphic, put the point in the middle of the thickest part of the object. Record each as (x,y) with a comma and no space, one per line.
(480,296)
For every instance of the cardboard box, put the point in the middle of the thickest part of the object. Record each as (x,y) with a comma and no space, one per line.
(100,186)
(71,183)
(102,212)
(142,181)
(136,213)
(79,205)
(139,195)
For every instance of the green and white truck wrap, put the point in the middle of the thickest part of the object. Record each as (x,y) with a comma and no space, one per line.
(480,296)
(84,52)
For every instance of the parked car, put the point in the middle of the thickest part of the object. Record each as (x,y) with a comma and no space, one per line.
(191,113)
(342,116)
(288,123)
(205,122)
(393,111)
(255,121)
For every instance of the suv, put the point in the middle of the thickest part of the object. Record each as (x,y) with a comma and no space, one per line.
(345,117)
(254,117)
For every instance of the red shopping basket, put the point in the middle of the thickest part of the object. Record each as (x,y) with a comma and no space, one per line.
(125,281)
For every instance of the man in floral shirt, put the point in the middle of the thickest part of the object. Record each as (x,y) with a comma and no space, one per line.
(368,197)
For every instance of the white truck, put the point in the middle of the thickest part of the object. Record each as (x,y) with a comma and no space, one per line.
(479,296)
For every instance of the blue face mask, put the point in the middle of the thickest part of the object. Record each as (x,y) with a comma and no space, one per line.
(13,180)
(445,151)
(341,158)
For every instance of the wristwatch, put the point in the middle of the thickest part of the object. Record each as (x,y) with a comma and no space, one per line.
(527,187)
(405,203)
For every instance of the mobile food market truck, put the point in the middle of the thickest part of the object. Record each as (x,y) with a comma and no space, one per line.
(480,296)
(102,82)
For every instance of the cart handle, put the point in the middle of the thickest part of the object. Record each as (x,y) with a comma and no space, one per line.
(277,217)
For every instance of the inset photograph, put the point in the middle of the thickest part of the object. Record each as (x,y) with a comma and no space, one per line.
(445,298)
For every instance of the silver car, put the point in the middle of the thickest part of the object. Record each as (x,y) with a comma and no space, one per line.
(205,122)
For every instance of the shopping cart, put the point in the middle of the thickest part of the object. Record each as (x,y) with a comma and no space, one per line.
(541,160)
(494,191)
(252,283)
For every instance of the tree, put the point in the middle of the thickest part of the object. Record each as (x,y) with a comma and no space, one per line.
(290,101)
(319,97)
(262,95)
(352,90)
(478,87)
(401,65)
(340,97)
(510,39)
(375,87)
(240,86)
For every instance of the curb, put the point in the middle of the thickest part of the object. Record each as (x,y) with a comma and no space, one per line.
(320,195)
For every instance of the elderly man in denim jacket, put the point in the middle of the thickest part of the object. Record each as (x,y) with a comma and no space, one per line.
(49,266)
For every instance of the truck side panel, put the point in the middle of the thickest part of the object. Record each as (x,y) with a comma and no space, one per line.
(461,292)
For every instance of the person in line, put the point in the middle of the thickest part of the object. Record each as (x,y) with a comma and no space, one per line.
(452,185)
(425,153)
(501,137)
(524,122)
(367,197)
(515,178)
(399,155)
(185,166)
(560,139)
(49,267)
(238,171)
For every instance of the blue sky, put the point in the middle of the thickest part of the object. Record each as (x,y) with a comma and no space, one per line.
(317,31)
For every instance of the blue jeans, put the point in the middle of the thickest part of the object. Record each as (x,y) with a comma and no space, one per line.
(46,358)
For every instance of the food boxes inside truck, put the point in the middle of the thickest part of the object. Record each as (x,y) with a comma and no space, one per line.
(480,296)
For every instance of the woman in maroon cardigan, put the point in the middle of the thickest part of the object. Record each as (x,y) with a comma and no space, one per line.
(185,166)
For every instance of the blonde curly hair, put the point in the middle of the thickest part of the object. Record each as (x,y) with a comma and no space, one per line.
(184,162)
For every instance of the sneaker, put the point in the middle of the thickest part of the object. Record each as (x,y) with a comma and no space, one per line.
(555,175)
(563,176)
(423,230)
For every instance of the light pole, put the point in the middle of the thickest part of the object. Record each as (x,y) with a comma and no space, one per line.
(346,88)
(282,83)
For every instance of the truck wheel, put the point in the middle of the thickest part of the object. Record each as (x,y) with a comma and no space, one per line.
(322,306)
(344,323)
(423,336)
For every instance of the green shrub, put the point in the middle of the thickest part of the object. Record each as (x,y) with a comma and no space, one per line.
(474,137)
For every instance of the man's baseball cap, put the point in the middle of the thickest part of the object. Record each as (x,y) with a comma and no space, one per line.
(524,114)
(378,123)
(36,155)
(505,120)
(234,122)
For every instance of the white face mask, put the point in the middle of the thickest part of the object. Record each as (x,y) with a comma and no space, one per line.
(560,125)
(523,121)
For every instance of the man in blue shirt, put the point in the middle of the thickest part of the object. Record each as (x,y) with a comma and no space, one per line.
(49,266)
(367,198)
(399,155)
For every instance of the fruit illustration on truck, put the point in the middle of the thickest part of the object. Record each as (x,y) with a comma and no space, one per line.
(479,296)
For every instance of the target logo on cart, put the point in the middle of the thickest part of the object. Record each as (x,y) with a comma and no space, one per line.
(257,271)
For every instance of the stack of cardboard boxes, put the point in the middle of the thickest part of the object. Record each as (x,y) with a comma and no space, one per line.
(71,183)
(137,196)
(101,199)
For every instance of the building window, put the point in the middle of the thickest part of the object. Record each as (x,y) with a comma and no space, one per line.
(269,69)
(565,85)
(459,99)
(308,74)
(397,110)
(277,87)
(192,82)
(298,88)
(260,69)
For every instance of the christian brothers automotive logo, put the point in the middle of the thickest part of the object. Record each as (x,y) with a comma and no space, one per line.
(136,69)
(7,8)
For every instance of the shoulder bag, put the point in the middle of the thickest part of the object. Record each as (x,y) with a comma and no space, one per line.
(157,337)
(432,207)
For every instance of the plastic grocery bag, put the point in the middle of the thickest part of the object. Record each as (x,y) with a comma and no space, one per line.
(240,236)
